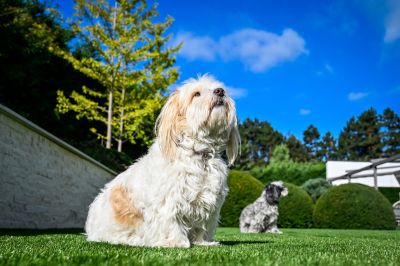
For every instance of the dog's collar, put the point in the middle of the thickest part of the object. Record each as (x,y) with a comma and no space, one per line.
(204,150)
(206,153)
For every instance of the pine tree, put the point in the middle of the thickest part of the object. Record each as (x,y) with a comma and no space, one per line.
(327,147)
(360,139)
(130,63)
(347,142)
(310,138)
(369,142)
(258,141)
(297,150)
(390,132)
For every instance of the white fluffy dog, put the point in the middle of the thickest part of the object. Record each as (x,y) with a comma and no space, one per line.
(172,196)
(262,215)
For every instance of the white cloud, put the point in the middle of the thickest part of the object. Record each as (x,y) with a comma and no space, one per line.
(304,111)
(194,47)
(258,50)
(261,50)
(355,96)
(392,22)
(236,93)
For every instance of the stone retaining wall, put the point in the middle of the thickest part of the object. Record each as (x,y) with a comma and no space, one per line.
(44,182)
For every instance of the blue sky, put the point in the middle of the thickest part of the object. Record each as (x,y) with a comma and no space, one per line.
(292,63)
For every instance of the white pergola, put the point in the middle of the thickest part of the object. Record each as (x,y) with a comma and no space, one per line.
(377,173)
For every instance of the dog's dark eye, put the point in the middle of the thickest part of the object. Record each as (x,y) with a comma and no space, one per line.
(197,94)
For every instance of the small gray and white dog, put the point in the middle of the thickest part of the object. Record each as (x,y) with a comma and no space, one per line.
(262,215)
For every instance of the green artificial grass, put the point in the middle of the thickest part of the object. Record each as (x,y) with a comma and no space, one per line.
(293,247)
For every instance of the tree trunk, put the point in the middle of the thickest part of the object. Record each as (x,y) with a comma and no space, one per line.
(121,122)
(109,118)
(110,95)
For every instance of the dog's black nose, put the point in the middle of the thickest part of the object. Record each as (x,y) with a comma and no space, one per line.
(219,91)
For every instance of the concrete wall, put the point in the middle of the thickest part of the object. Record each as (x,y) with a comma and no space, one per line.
(44,182)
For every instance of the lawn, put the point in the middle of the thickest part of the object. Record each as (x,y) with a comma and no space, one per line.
(293,247)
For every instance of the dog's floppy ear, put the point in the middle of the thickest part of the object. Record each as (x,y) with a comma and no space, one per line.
(168,125)
(284,192)
(233,145)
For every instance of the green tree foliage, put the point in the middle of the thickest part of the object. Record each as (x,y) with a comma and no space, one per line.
(391,193)
(292,172)
(258,141)
(353,206)
(296,209)
(30,74)
(243,190)
(370,145)
(283,168)
(360,139)
(347,141)
(316,187)
(327,148)
(26,29)
(310,138)
(364,137)
(131,64)
(280,154)
(390,132)
(297,150)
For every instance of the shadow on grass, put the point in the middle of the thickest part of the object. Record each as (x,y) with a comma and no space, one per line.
(234,243)
(35,232)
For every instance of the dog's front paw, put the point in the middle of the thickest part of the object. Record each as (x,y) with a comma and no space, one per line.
(206,243)
(274,231)
(176,244)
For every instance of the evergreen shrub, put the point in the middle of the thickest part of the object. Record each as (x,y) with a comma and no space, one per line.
(354,206)
(391,193)
(243,190)
(291,172)
(296,209)
(316,187)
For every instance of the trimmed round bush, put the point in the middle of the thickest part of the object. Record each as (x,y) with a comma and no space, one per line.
(243,190)
(316,187)
(296,209)
(354,206)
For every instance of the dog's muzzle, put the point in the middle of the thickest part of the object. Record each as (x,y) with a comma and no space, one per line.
(220,101)
(220,93)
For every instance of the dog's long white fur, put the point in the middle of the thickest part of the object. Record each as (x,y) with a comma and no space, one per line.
(176,191)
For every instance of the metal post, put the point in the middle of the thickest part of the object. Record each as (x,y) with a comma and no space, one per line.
(375,178)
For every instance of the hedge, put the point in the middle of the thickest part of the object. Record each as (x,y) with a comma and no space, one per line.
(391,193)
(291,172)
(243,190)
(296,209)
(354,206)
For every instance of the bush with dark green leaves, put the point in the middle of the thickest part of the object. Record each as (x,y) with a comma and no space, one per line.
(353,206)
(391,193)
(243,190)
(296,209)
(117,161)
(316,187)
(291,172)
